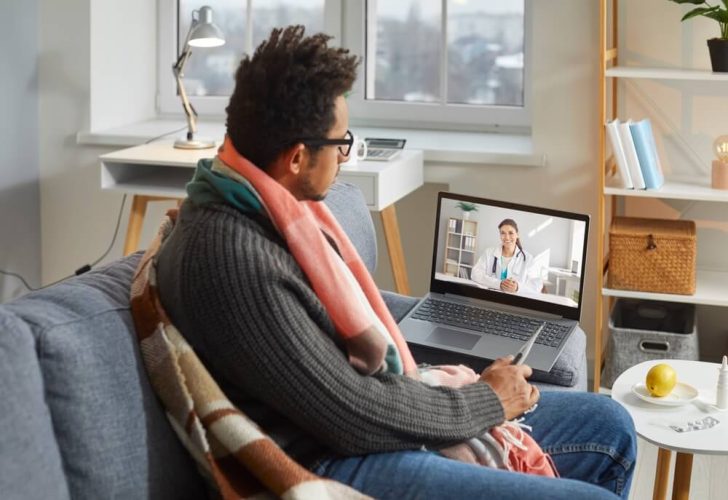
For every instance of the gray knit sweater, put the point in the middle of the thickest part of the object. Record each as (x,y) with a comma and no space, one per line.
(237,295)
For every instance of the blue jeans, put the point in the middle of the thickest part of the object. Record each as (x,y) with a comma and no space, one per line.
(590,438)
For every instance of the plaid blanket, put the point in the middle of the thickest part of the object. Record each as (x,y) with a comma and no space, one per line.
(229,447)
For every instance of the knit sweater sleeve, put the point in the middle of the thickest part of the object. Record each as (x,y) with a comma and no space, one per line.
(260,322)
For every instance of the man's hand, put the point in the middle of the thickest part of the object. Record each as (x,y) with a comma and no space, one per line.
(450,375)
(509,383)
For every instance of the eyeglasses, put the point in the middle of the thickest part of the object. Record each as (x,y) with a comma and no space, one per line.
(344,144)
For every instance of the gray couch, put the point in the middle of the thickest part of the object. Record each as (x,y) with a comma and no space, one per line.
(79,418)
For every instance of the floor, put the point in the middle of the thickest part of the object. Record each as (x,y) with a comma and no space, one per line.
(709,480)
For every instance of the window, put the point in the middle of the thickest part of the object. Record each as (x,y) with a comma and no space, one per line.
(452,63)
(209,73)
(462,62)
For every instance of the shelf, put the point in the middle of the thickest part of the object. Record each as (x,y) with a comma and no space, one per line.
(665,74)
(711,290)
(676,190)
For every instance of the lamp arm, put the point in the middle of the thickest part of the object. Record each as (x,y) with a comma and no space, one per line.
(190,112)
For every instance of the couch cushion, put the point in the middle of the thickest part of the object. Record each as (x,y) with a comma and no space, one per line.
(570,367)
(28,448)
(113,435)
(348,205)
(399,305)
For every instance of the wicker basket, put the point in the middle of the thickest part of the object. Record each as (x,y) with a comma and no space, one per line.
(652,255)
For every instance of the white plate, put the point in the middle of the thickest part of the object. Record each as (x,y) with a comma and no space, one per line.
(681,394)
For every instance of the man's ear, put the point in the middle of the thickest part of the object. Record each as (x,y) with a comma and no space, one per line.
(289,163)
(294,159)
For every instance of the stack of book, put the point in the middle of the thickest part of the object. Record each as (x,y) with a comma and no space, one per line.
(635,155)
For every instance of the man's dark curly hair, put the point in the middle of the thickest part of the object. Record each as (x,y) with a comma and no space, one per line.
(286,92)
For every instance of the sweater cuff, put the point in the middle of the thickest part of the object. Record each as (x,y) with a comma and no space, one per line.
(485,405)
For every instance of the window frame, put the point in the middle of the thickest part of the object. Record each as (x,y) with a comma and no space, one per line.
(433,115)
(342,20)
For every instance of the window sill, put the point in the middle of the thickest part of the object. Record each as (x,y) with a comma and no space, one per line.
(438,146)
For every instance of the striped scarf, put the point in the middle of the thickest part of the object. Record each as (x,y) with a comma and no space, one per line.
(341,282)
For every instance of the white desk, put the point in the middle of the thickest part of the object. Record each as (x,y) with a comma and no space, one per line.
(158,171)
(651,421)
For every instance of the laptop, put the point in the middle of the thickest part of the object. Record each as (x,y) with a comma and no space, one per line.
(466,317)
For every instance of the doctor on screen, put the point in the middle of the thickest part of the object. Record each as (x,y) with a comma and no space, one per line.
(508,267)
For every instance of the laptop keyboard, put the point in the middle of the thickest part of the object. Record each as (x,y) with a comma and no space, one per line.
(490,322)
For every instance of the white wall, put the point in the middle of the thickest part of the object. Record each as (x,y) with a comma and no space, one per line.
(120,86)
(19,194)
(77,218)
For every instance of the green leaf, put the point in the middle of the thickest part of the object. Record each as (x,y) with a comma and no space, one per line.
(694,2)
(721,16)
(466,206)
(700,11)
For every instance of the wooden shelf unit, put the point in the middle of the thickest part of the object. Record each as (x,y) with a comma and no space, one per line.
(460,247)
(712,286)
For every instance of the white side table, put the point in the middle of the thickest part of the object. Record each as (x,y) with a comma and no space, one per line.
(651,421)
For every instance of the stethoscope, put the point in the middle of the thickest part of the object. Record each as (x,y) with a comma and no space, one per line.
(495,260)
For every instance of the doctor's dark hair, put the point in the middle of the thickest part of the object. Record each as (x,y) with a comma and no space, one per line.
(285,92)
(512,223)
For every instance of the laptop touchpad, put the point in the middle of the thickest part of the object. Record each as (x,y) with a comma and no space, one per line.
(452,338)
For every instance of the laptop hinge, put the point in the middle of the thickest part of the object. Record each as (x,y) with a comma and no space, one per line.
(499,307)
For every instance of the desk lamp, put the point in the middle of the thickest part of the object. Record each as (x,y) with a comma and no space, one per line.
(202,33)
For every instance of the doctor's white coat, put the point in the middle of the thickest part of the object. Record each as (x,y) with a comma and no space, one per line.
(522,268)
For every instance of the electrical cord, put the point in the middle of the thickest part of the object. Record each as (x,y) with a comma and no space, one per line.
(83,269)
(87,267)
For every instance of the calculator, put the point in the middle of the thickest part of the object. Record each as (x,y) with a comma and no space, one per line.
(379,149)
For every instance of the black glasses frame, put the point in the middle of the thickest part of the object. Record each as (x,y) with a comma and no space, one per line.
(347,141)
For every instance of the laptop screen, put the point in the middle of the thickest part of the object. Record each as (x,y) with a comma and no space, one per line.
(512,254)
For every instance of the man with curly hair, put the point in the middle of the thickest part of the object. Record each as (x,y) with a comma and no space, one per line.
(266,288)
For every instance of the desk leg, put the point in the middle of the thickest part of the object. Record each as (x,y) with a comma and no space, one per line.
(662,474)
(681,481)
(136,220)
(394,247)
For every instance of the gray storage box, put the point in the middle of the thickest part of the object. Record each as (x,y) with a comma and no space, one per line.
(641,330)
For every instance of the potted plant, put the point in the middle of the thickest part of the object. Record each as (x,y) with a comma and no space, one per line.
(468,207)
(718,46)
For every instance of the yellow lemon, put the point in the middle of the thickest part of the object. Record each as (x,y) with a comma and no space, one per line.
(661,379)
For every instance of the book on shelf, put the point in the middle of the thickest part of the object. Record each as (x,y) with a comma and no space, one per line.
(623,179)
(633,162)
(468,243)
(463,272)
(644,144)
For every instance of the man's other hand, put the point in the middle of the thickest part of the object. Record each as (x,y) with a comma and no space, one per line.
(509,383)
